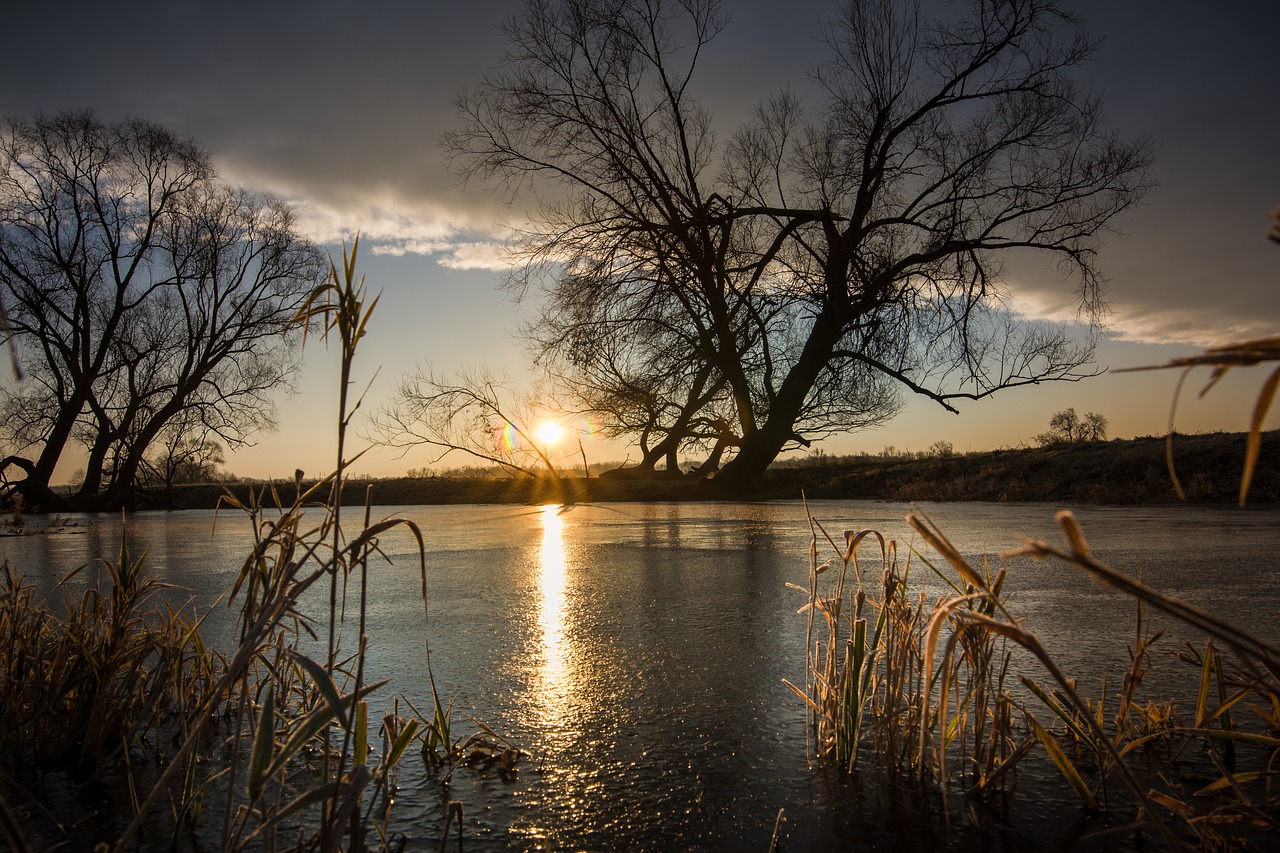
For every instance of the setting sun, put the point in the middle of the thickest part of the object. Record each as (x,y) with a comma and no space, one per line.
(548,432)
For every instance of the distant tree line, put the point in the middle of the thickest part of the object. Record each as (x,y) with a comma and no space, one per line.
(149,304)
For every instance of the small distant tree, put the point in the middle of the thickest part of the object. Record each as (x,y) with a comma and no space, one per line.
(1066,427)
(1095,427)
(940,449)
(183,457)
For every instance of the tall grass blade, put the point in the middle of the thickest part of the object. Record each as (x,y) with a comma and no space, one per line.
(324,683)
(309,728)
(263,742)
(1068,719)
(1265,396)
(361,735)
(317,796)
(1064,765)
(921,524)
(401,742)
(1202,697)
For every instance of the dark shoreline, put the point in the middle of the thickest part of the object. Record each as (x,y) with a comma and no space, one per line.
(1121,471)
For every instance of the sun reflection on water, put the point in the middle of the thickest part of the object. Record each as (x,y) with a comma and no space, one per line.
(553,672)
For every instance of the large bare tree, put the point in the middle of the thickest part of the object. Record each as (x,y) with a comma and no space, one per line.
(821,257)
(140,289)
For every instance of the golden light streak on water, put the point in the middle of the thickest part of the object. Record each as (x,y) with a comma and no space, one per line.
(551,567)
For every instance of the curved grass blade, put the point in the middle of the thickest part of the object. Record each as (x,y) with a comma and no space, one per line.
(324,683)
(1265,396)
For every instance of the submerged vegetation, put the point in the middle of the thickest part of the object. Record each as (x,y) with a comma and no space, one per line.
(959,693)
(929,689)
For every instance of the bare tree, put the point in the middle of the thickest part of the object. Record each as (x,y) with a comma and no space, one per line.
(941,147)
(80,206)
(820,259)
(185,451)
(1094,427)
(474,413)
(1064,428)
(1067,427)
(636,323)
(241,275)
(633,363)
(940,449)
(142,289)
(182,454)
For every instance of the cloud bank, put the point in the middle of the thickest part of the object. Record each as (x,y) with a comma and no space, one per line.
(340,109)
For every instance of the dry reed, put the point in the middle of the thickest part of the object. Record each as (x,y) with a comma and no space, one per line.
(924,689)
(1223,359)
(958,702)
(278,739)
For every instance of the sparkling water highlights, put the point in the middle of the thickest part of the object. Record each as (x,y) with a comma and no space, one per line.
(636,653)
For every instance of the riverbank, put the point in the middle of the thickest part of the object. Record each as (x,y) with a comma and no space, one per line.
(1122,471)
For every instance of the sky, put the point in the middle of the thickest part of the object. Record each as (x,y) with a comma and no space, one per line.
(339,107)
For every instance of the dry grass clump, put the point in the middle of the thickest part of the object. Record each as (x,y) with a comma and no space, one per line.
(874,683)
(268,748)
(937,675)
(109,671)
(924,688)
(1234,720)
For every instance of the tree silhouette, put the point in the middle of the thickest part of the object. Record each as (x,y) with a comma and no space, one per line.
(1066,427)
(142,293)
(816,262)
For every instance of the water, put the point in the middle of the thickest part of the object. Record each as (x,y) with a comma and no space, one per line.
(637,652)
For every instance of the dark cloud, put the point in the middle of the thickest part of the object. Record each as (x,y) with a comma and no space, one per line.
(1193,265)
(340,107)
(332,102)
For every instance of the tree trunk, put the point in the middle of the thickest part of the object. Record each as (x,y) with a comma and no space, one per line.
(36,495)
(761,446)
(93,467)
(673,459)
(120,490)
(54,444)
(744,471)
(711,464)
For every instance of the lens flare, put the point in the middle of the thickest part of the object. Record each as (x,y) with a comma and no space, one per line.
(548,433)
(507,437)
